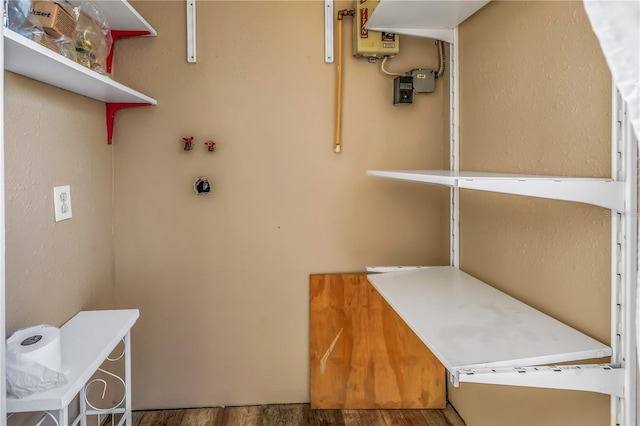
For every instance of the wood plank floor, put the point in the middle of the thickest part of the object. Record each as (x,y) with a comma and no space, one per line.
(293,415)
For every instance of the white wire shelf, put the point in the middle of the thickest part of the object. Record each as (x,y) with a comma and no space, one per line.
(468,324)
(606,193)
(434,19)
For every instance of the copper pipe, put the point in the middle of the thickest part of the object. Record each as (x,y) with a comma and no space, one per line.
(341,14)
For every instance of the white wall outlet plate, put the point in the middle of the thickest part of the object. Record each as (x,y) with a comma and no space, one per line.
(62,202)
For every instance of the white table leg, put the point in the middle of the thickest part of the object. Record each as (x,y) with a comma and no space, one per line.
(63,416)
(83,406)
(127,376)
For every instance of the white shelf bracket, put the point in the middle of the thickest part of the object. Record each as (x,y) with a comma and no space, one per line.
(191,31)
(328,31)
(600,378)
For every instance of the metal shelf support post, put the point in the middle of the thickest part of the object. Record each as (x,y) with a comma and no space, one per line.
(624,261)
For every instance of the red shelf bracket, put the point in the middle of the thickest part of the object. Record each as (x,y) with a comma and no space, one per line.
(115,35)
(112,108)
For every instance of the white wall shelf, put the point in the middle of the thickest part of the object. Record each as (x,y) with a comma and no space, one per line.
(468,324)
(434,19)
(120,15)
(30,59)
(606,193)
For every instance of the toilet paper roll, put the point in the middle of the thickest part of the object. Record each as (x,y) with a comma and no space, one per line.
(40,343)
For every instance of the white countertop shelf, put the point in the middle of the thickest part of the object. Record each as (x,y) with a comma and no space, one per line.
(469,324)
(606,193)
(30,59)
(85,342)
(423,18)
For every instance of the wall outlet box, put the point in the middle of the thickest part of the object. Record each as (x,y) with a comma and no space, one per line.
(62,202)
(403,90)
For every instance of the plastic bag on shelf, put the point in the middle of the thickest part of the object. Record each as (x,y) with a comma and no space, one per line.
(17,17)
(62,45)
(26,18)
(59,24)
(92,37)
(25,376)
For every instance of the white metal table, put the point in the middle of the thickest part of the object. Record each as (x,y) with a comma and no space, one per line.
(86,341)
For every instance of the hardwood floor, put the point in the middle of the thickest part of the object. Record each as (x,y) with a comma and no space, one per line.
(293,415)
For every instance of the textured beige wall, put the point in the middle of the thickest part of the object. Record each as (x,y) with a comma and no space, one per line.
(54,270)
(222,281)
(535,98)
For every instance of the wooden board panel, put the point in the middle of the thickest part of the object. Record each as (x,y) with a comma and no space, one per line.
(363,355)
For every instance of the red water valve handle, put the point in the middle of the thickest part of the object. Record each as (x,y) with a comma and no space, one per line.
(188,143)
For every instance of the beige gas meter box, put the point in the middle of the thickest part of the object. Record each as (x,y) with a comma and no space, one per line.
(371,44)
